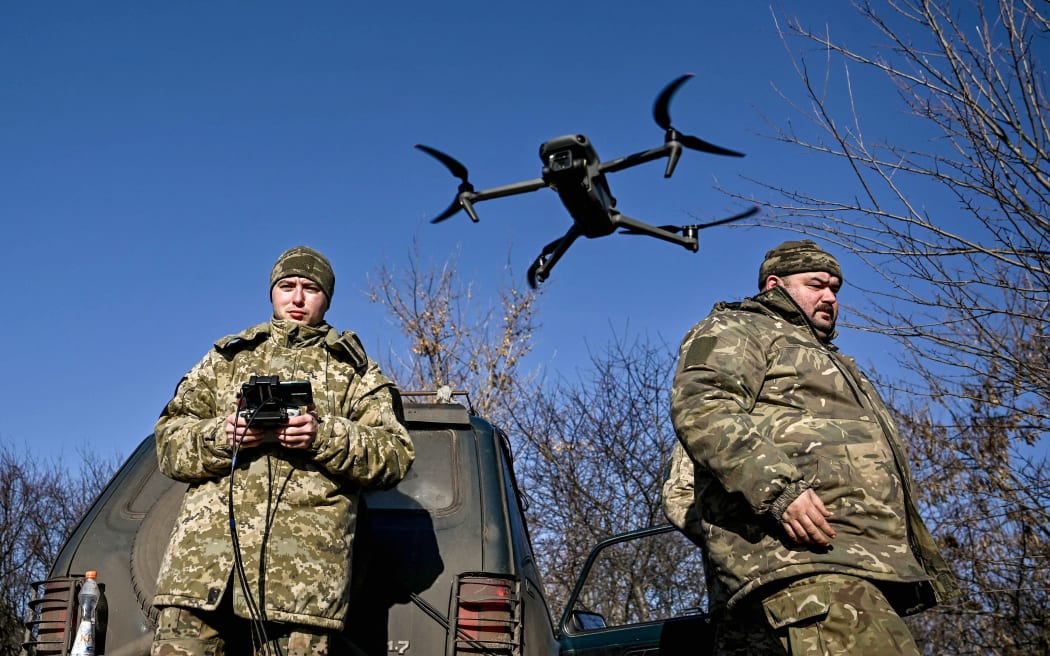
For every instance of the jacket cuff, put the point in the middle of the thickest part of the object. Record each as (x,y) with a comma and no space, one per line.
(790,493)
(216,440)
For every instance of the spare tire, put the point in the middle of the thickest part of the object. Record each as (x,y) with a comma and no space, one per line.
(150,543)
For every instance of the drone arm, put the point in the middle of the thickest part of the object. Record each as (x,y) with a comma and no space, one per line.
(552,252)
(508,190)
(467,197)
(672,150)
(628,161)
(687,240)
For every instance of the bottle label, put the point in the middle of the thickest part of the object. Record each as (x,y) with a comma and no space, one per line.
(84,643)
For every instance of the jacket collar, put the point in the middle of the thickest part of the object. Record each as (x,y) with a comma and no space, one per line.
(778,302)
(295,335)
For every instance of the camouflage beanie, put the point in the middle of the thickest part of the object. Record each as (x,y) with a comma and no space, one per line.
(797,257)
(305,262)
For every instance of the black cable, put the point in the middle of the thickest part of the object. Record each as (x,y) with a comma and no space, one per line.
(257,618)
(258,630)
(270,518)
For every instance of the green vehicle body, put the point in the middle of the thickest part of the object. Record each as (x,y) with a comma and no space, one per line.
(443,562)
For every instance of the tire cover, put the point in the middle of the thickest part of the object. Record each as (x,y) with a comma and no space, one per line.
(150,543)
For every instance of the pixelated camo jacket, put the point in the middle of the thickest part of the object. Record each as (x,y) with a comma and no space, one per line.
(294,510)
(760,403)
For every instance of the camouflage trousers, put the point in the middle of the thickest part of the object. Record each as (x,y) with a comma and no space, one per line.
(822,615)
(186,632)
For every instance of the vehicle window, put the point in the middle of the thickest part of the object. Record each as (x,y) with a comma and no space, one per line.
(431,483)
(645,579)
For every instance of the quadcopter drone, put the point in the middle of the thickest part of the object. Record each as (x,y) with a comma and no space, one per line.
(571,168)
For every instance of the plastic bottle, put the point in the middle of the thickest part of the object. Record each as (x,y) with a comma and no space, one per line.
(84,643)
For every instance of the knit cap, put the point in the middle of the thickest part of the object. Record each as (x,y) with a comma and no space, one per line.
(797,257)
(305,262)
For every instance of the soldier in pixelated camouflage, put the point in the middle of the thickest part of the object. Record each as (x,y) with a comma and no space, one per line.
(791,476)
(292,493)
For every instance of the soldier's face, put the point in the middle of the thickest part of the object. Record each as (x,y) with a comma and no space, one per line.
(816,293)
(300,300)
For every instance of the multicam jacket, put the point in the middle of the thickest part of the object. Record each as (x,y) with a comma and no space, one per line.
(294,511)
(761,405)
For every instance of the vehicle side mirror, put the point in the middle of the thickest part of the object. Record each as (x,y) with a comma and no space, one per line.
(582,620)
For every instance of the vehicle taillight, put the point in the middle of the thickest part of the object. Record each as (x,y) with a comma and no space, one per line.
(51,614)
(486,615)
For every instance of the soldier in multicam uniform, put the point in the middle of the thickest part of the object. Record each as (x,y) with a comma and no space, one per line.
(791,476)
(294,502)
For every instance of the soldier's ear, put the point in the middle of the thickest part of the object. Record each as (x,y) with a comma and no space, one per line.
(771,282)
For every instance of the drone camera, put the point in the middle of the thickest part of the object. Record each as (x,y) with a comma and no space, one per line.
(561,160)
(268,402)
(567,152)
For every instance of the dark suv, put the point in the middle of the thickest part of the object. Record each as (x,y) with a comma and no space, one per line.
(443,564)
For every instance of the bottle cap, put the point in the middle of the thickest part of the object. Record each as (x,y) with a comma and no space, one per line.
(90,574)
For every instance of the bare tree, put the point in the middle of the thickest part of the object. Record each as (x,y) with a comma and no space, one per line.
(591,455)
(950,208)
(457,339)
(589,451)
(40,505)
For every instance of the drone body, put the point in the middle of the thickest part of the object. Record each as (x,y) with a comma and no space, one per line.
(572,168)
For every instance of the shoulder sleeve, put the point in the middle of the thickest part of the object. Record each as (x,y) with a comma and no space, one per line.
(368,443)
(191,440)
(721,367)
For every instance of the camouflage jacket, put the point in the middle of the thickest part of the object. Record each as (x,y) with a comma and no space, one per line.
(295,511)
(761,406)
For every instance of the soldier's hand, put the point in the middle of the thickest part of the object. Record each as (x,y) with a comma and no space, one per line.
(299,432)
(805,520)
(237,430)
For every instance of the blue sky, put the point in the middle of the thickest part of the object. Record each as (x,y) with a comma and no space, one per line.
(157,157)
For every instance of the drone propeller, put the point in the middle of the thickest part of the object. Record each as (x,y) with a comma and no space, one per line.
(730,219)
(460,172)
(663,119)
(691,230)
